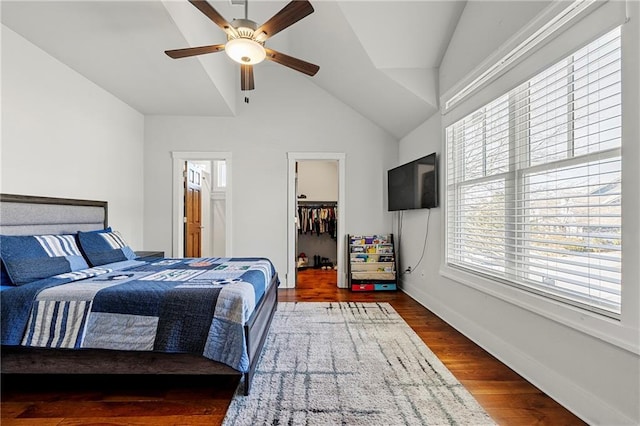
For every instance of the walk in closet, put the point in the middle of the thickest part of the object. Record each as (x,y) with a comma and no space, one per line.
(317,194)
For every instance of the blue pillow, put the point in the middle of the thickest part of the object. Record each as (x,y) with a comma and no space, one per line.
(4,276)
(104,246)
(33,257)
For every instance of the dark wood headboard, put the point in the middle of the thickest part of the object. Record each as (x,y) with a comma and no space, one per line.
(33,215)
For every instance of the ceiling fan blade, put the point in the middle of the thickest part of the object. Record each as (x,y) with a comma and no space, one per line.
(246,77)
(289,15)
(291,62)
(193,51)
(204,7)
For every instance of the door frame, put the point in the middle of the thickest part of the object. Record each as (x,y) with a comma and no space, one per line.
(292,229)
(179,157)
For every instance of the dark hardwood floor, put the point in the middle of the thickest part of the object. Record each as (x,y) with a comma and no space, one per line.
(109,400)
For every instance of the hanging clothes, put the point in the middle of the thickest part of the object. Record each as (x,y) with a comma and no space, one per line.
(317,219)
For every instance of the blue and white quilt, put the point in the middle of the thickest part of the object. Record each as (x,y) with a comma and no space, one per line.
(194,305)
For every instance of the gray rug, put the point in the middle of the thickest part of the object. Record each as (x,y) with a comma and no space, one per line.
(350,364)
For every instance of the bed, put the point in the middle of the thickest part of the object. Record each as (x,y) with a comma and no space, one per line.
(77,300)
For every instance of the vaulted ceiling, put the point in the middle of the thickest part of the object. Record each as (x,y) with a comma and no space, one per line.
(379,57)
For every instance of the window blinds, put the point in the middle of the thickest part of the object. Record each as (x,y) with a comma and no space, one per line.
(534,182)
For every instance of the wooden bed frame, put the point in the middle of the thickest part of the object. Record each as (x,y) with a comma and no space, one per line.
(93,215)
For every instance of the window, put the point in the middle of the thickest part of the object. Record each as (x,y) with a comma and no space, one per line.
(220,175)
(534,182)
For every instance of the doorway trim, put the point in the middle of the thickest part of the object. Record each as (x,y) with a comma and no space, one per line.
(292,229)
(179,157)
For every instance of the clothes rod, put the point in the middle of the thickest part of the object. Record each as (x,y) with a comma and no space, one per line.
(308,202)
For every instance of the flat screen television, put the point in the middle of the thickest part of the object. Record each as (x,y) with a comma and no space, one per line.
(414,185)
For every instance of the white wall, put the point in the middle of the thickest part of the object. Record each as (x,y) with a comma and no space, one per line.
(218,220)
(592,367)
(477,42)
(63,136)
(318,180)
(290,114)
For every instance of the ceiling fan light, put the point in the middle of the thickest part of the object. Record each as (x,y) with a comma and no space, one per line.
(245,51)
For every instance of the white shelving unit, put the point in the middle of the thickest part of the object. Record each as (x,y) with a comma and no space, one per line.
(371,265)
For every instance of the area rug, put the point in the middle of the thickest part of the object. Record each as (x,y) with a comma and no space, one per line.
(344,363)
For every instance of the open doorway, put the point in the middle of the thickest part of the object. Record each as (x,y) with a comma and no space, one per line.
(201,204)
(316,187)
(317,196)
(205,205)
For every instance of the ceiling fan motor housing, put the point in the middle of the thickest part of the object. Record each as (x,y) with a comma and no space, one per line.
(244,27)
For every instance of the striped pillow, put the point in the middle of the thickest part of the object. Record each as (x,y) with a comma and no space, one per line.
(105,246)
(33,257)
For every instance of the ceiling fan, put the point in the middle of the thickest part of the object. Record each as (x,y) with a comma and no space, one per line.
(245,40)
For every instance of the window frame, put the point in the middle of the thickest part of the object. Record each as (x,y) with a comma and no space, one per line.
(219,171)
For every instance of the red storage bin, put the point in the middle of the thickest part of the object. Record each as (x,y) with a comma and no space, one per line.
(362,287)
